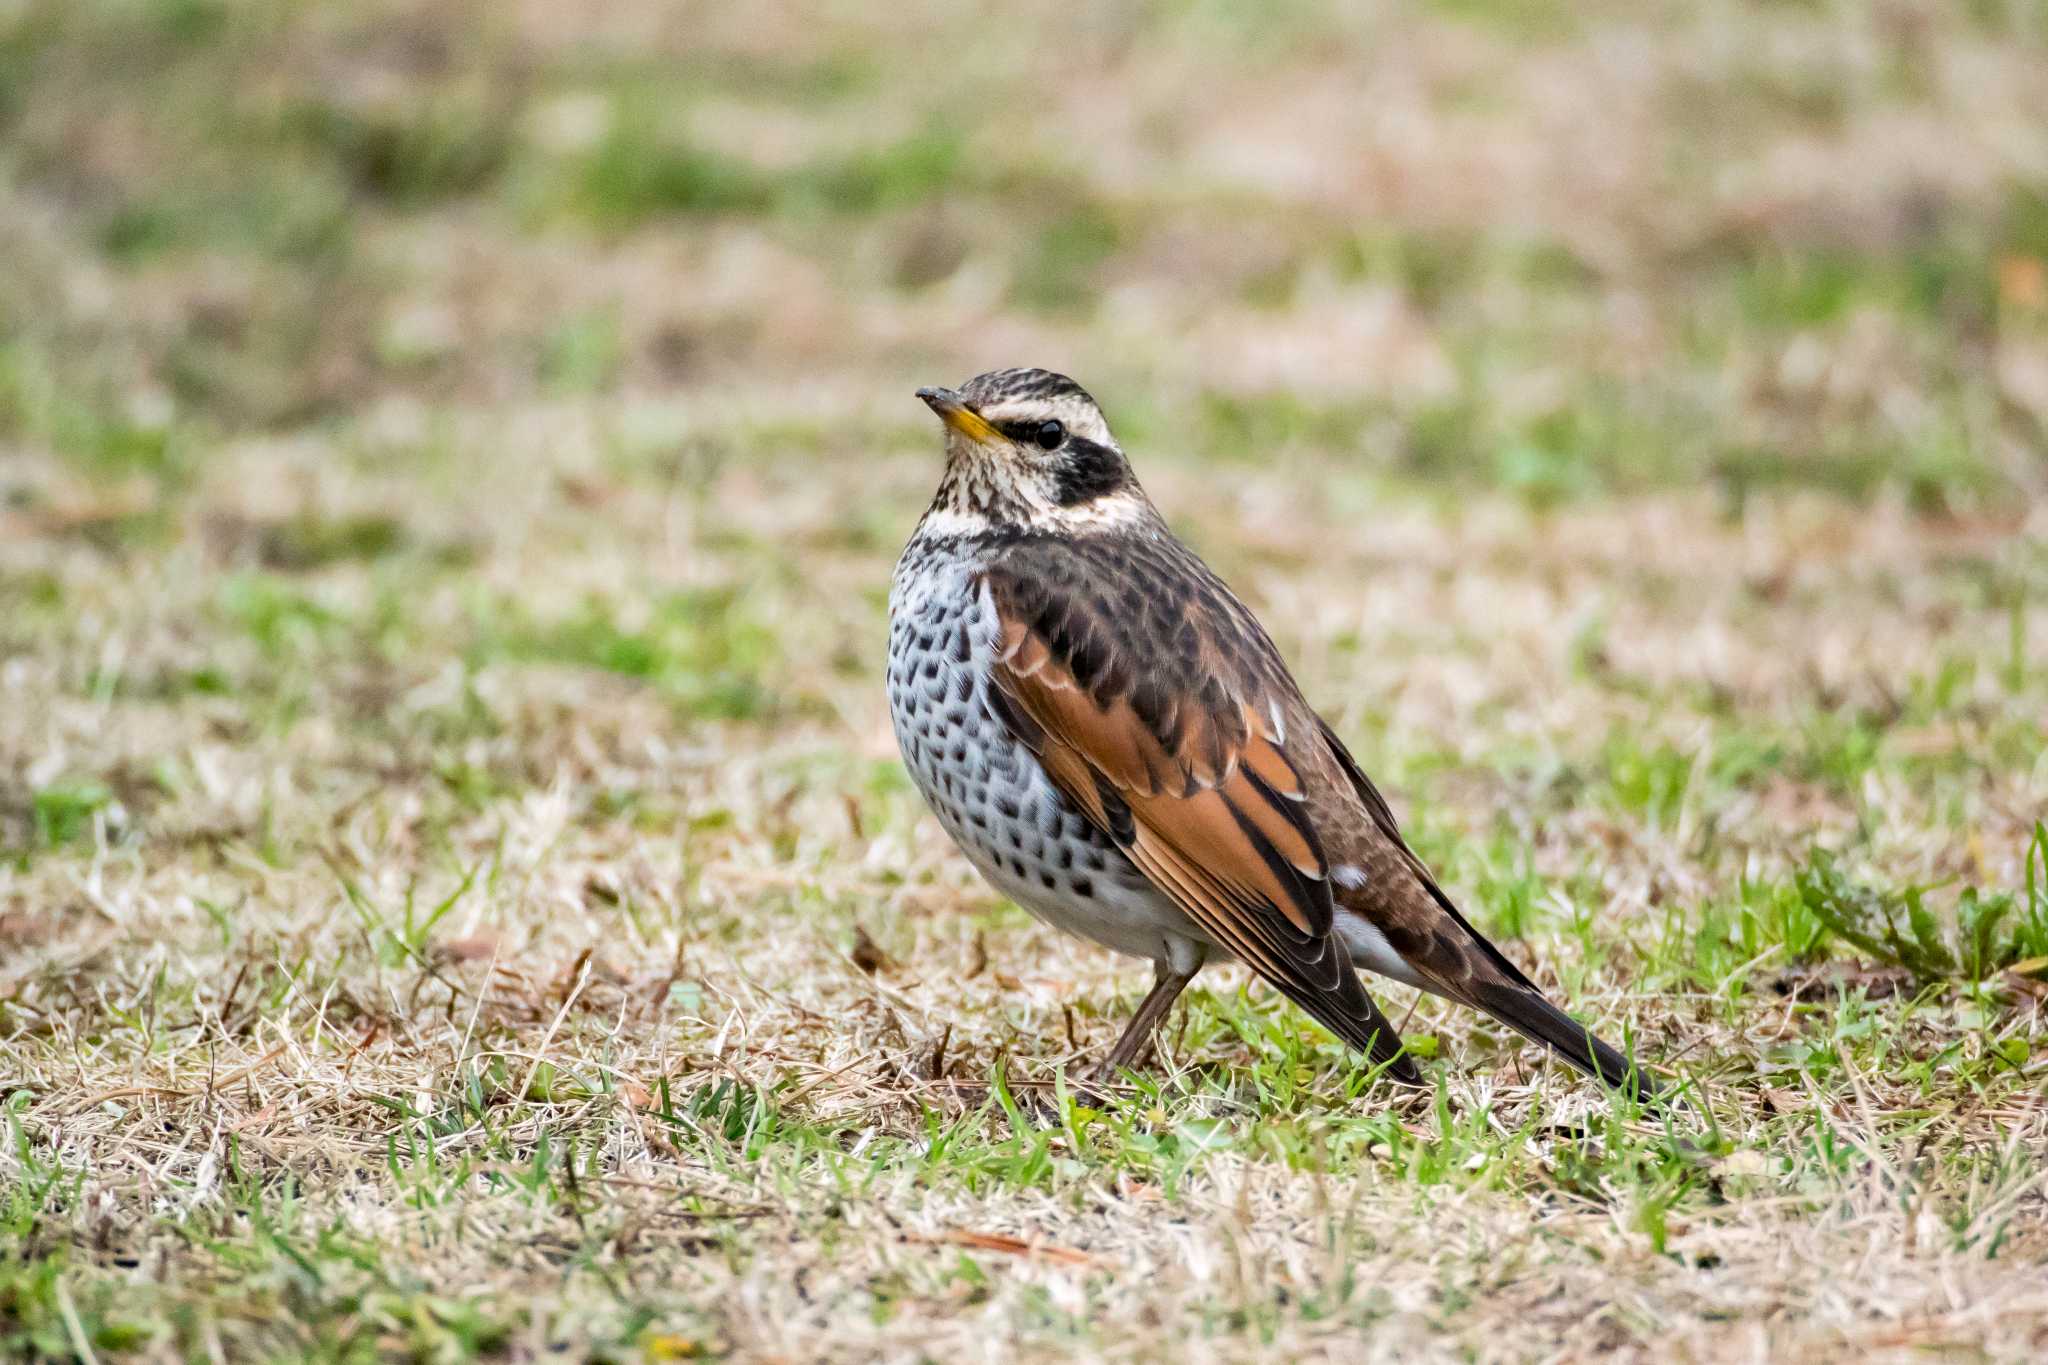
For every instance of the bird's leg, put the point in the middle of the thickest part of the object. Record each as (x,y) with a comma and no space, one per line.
(1167,984)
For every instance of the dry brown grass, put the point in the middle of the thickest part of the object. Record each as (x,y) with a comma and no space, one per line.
(457,894)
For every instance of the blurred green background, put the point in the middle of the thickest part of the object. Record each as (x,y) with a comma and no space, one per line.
(1566,249)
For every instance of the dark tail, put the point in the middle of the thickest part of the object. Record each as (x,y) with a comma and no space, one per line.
(1473,970)
(1527,1012)
(1506,993)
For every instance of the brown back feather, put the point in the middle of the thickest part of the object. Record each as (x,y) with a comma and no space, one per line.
(1157,704)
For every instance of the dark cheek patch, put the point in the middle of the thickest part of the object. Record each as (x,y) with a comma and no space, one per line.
(1084,471)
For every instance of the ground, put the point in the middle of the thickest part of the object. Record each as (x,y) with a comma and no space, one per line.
(458,895)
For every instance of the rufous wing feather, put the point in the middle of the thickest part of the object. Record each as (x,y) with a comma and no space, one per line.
(1207,803)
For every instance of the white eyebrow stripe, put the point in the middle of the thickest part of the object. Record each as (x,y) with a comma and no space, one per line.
(1083,422)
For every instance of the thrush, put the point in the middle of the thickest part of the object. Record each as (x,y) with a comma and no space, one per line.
(1115,743)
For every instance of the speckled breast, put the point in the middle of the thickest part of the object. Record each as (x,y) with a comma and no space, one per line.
(986,788)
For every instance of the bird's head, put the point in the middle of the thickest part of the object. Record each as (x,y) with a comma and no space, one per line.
(1029,450)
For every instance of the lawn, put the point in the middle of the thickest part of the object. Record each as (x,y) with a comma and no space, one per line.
(458,893)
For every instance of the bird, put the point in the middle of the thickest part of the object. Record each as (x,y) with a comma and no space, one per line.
(1116,744)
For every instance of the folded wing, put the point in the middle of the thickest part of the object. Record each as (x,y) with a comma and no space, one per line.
(1189,770)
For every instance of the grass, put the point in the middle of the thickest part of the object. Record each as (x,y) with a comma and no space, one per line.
(458,896)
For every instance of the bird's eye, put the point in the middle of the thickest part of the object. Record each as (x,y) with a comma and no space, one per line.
(1050,434)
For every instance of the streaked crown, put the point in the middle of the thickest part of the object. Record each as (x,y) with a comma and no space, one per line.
(1028,448)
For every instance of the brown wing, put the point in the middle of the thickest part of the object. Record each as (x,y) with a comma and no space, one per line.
(1180,753)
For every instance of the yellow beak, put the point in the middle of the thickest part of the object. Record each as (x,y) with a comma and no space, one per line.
(954,412)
